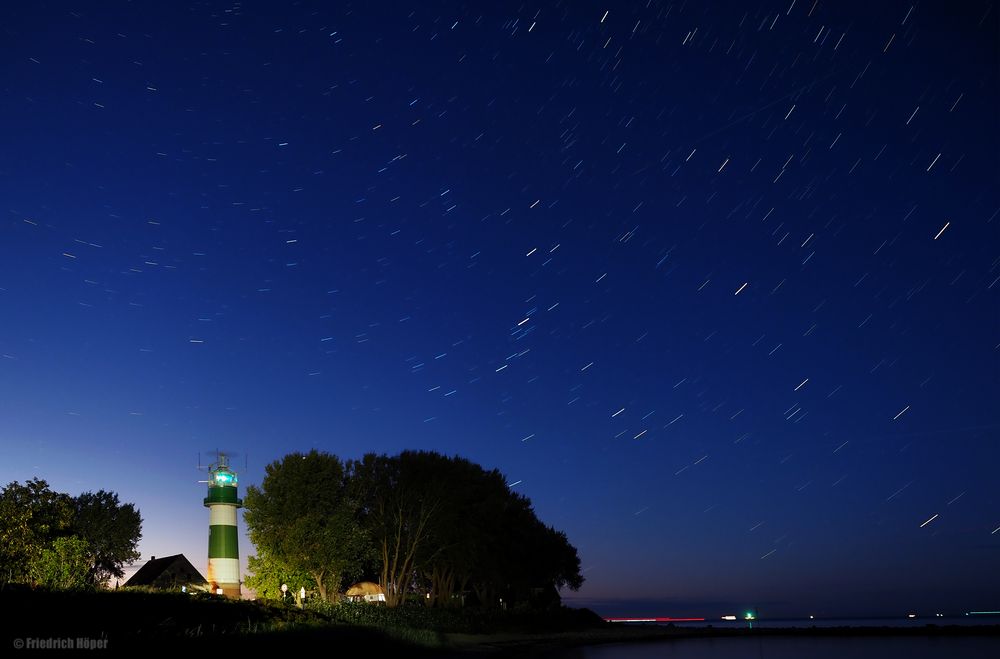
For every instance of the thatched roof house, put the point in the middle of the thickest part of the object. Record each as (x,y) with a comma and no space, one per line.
(366,591)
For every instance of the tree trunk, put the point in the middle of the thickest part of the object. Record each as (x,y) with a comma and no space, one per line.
(442,586)
(397,570)
(320,586)
(447,588)
(431,599)
(486,595)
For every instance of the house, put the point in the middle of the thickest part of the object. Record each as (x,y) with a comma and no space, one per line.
(169,573)
(366,591)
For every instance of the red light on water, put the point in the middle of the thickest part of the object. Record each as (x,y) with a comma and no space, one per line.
(654,620)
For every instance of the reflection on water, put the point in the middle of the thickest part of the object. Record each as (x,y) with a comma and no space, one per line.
(784,623)
(790,647)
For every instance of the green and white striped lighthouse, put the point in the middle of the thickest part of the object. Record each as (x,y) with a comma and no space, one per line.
(223,543)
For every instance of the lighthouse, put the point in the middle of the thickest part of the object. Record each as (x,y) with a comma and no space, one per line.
(223,544)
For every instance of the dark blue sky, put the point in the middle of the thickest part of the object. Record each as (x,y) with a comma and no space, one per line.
(715,284)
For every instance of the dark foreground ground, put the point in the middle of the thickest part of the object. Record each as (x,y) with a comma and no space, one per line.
(38,622)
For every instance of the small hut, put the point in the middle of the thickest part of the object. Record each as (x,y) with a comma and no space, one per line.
(366,591)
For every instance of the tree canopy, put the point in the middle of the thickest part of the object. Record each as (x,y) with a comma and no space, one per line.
(267,574)
(112,531)
(302,517)
(51,539)
(440,528)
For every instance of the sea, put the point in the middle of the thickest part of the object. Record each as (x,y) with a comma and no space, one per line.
(809,647)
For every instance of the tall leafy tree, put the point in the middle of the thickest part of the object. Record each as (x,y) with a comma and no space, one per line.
(427,523)
(303,517)
(32,516)
(463,528)
(400,498)
(111,530)
(44,535)
(519,559)
(17,545)
(444,524)
(541,560)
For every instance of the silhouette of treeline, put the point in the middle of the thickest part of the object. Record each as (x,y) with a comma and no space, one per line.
(440,529)
(55,540)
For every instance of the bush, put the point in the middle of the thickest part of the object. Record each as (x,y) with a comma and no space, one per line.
(63,565)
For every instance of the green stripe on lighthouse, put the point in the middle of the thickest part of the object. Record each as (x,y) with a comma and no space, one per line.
(222,495)
(222,542)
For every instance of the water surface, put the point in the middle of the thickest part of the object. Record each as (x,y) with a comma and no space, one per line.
(791,647)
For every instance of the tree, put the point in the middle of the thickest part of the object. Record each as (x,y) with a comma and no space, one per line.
(519,559)
(432,524)
(65,564)
(44,535)
(31,517)
(399,498)
(111,530)
(462,529)
(544,561)
(302,517)
(443,524)
(17,550)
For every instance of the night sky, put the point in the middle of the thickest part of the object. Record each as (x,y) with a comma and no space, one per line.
(714,284)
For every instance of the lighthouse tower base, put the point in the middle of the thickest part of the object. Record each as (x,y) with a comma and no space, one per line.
(230,590)
(224,575)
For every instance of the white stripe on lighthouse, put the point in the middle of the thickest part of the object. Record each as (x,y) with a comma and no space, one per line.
(224,571)
(220,514)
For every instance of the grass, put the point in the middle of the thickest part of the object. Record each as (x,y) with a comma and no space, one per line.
(134,619)
(150,619)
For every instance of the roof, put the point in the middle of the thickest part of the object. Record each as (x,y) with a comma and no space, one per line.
(156,568)
(364,588)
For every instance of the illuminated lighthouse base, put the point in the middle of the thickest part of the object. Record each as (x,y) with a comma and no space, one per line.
(223,550)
